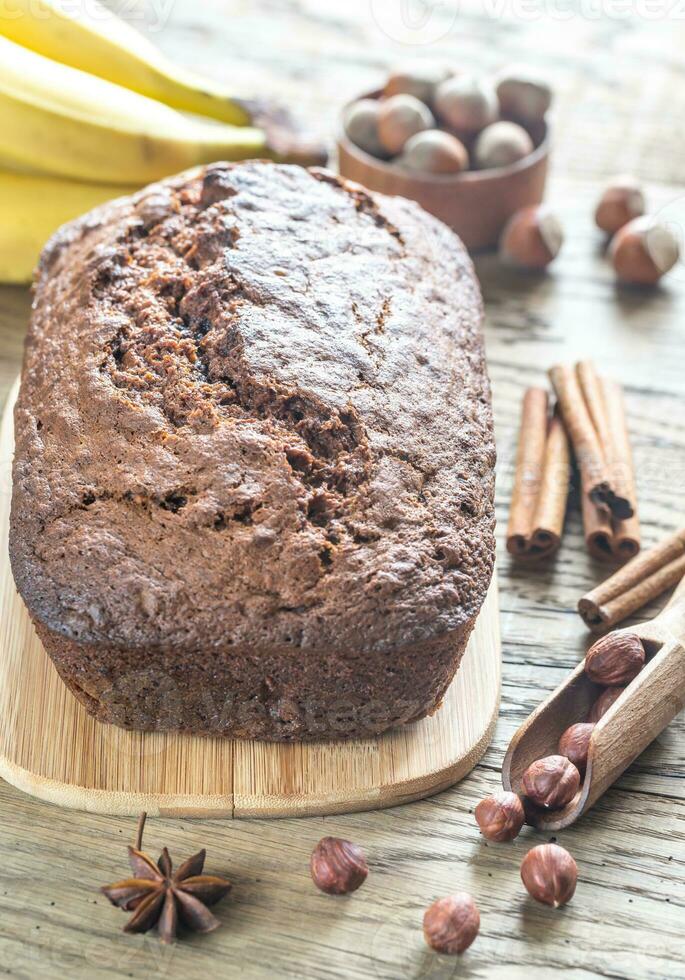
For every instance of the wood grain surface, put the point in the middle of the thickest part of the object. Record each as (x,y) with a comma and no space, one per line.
(621,100)
(53,749)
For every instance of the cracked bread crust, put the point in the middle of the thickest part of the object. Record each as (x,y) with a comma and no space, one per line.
(253,481)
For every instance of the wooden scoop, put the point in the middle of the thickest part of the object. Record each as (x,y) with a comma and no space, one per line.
(644,709)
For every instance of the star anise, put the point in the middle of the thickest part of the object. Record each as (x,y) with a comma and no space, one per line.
(158,895)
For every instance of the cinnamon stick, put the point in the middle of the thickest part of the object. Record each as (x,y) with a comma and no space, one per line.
(551,505)
(596,520)
(598,529)
(530,456)
(633,586)
(594,470)
(591,387)
(538,504)
(626,533)
(608,538)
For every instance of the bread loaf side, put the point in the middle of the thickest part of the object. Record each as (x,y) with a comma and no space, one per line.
(253,483)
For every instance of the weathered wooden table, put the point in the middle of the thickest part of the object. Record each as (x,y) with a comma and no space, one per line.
(621,84)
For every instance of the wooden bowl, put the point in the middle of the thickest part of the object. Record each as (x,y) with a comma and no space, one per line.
(476,204)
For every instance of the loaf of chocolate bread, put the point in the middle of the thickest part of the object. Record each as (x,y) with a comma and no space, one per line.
(254,457)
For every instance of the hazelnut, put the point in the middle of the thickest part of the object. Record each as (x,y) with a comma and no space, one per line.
(338,866)
(500,816)
(643,251)
(465,103)
(361,126)
(419,79)
(501,144)
(621,201)
(523,95)
(604,702)
(615,659)
(434,152)
(551,782)
(531,238)
(400,117)
(549,874)
(575,742)
(451,924)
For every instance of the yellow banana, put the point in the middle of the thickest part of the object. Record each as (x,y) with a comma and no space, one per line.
(32,208)
(91,38)
(58,120)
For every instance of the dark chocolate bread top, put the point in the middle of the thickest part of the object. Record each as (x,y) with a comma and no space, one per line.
(254,409)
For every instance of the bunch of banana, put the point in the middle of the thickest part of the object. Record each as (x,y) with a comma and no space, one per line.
(89,37)
(32,208)
(89,109)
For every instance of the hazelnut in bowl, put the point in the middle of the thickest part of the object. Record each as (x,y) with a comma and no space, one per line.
(471,151)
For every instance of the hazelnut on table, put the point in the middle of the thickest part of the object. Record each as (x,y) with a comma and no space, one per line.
(338,866)
(621,201)
(531,238)
(466,104)
(399,118)
(642,251)
(549,874)
(500,816)
(551,782)
(451,924)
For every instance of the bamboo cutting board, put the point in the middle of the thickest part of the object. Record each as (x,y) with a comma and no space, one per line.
(51,748)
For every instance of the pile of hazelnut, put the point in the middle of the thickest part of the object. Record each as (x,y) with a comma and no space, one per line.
(430,120)
(549,873)
(641,249)
(552,782)
(433,121)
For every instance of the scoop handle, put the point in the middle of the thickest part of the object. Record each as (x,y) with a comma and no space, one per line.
(678,594)
(642,712)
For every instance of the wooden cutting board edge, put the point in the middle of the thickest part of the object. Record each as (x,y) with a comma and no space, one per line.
(476,685)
